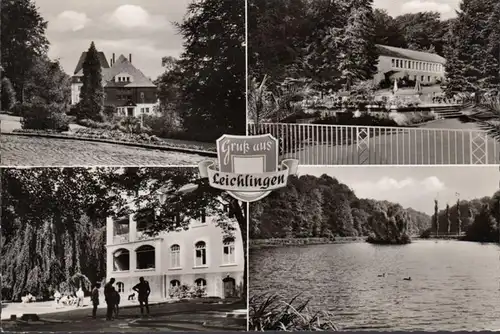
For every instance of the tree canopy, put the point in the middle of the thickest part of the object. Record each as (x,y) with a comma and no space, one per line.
(54,219)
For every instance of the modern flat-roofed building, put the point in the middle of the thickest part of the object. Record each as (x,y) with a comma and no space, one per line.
(203,255)
(393,62)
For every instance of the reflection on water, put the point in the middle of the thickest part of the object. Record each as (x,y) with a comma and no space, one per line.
(455,285)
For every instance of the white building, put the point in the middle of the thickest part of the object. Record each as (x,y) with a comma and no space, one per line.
(203,255)
(419,66)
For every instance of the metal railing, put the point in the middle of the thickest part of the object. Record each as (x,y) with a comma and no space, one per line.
(319,144)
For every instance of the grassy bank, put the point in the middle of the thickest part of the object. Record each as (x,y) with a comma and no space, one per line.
(279,242)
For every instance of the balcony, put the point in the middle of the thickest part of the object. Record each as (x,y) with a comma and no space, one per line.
(120,238)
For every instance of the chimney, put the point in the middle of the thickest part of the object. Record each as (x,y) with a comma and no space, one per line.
(113,59)
(130,57)
(111,62)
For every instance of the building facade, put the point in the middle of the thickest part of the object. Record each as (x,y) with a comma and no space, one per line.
(126,88)
(397,63)
(203,255)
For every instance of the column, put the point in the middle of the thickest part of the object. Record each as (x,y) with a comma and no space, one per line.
(132,233)
(109,231)
(109,263)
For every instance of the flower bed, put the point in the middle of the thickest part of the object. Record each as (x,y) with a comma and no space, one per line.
(122,137)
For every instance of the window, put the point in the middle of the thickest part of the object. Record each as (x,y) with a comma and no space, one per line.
(120,286)
(121,260)
(397,62)
(142,95)
(200,282)
(175,283)
(393,62)
(145,257)
(201,254)
(128,79)
(147,110)
(228,251)
(422,78)
(175,256)
(142,110)
(406,64)
(429,78)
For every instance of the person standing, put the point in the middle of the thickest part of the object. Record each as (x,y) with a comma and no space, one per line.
(117,303)
(143,291)
(94,297)
(79,296)
(109,297)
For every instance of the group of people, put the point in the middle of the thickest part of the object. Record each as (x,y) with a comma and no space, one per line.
(69,300)
(112,298)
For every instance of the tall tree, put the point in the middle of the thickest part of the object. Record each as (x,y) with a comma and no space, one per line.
(22,40)
(48,83)
(213,65)
(436,217)
(387,30)
(358,55)
(448,221)
(471,65)
(459,218)
(92,92)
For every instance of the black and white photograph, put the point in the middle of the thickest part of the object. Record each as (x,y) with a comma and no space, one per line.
(378,248)
(117,83)
(120,250)
(391,82)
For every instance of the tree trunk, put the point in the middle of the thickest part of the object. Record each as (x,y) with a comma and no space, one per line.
(241,216)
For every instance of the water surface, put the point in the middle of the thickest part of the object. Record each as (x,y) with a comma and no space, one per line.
(455,285)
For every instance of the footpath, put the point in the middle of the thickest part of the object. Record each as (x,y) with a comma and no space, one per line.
(199,315)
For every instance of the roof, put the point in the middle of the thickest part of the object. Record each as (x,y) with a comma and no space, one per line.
(391,51)
(102,60)
(123,65)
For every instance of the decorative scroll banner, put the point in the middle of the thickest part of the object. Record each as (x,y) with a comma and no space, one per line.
(248,167)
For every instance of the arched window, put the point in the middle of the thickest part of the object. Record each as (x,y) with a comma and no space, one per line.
(228,254)
(121,260)
(200,282)
(175,256)
(201,254)
(175,283)
(145,257)
(120,287)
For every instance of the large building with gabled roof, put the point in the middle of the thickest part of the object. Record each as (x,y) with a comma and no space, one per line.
(396,63)
(126,88)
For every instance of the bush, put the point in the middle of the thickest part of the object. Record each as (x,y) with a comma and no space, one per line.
(44,117)
(20,109)
(187,292)
(8,95)
(270,314)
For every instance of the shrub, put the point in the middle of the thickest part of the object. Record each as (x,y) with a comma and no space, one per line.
(45,117)
(271,314)
(20,109)
(8,94)
(187,292)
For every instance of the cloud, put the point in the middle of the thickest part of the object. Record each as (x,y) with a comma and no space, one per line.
(398,190)
(416,6)
(133,17)
(69,21)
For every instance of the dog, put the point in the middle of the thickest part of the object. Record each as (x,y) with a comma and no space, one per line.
(131,297)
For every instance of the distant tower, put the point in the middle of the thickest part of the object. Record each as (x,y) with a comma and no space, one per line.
(448,221)
(436,218)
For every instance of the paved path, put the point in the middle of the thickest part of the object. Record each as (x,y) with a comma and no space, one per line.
(164,317)
(405,146)
(36,151)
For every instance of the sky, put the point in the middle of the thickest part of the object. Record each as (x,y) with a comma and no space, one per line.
(447,8)
(415,187)
(141,27)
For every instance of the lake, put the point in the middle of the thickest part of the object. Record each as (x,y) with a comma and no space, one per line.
(455,285)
